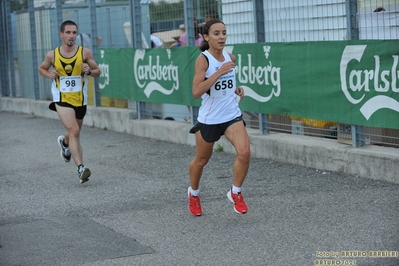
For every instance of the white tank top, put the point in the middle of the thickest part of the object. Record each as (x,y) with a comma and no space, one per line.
(219,104)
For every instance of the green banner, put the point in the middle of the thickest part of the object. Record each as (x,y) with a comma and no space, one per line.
(351,82)
(148,75)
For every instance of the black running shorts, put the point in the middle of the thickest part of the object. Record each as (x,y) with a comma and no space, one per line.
(80,111)
(212,133)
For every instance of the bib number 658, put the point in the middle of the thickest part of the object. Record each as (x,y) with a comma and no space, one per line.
(224,84)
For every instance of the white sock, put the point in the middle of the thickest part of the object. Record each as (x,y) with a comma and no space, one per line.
(80,168)
(235,189)
(193,192)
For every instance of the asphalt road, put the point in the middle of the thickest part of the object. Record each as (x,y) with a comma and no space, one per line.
(133,211)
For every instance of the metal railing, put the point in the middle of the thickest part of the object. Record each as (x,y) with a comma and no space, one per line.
(27,34)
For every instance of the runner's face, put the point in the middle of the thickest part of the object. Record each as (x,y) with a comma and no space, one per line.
(68,37)
(217,36)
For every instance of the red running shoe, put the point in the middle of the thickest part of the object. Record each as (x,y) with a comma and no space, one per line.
(194,204)
(239,204)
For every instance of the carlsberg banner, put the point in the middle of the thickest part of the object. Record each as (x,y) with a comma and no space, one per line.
(352,82)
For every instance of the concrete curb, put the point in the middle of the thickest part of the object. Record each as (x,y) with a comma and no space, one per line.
(374,162)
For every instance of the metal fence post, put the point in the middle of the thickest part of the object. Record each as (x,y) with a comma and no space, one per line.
(189,21)
(264,124)
(140,107)
(351,18)
(135,23)
(11,50)
(353,34)
(135,30)
(145,21)
(357,136)
(194,114)
(58,8)
(259,21)
(190,38)
(4,55)
(32,24)
(94,39)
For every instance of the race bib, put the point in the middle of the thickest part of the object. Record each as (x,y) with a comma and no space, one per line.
(225,86)
(70,84)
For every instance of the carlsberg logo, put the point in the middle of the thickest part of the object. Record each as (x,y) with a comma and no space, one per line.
(149,75)
(266,76)
(104,68)
(365,80)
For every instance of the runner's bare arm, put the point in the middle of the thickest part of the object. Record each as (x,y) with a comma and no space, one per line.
(90,64)
(200,85)
(46,65)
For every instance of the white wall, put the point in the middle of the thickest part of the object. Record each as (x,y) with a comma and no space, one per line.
(311,20)
(238,15)
(286,21)
(379,25)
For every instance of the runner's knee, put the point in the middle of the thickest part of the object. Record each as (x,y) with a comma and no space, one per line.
(243,155)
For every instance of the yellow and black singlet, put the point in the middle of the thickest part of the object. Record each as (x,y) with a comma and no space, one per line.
(71,84)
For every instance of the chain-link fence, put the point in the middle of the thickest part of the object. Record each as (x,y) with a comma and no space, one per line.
(29,29)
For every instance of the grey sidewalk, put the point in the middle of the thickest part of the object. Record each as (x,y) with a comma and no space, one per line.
(133,211)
